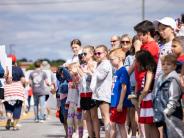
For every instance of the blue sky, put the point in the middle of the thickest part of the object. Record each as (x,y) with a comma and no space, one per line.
(44,28)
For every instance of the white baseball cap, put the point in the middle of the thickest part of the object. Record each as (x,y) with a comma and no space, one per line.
(168,21)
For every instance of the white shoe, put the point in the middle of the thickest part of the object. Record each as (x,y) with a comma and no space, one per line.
(41,121)
(19,125)
(36,121)
(85,133)
(75,135)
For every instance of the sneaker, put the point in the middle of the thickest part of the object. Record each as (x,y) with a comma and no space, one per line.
(75,135)
(41,121)
(17,127)
(85,133)
(36,121)
(8,124)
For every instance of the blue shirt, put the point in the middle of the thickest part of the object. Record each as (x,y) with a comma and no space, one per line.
(120,77)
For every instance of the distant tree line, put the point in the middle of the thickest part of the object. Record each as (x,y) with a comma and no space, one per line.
(53,63)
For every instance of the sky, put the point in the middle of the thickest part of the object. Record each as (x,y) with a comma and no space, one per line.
(35,29)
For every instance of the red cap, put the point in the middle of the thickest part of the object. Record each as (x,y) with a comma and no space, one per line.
(13,57)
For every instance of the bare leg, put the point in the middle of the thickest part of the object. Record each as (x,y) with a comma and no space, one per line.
(113,130)
(65,125)
(104,107)
(15,122)
(95,121)
(131,113)
(140,126)
(122,130)
(160,129)
(87,117)
(151,131)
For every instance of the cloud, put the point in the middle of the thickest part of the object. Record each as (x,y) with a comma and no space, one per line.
(45,30)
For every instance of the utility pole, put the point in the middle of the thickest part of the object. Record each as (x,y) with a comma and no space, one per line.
(143,9)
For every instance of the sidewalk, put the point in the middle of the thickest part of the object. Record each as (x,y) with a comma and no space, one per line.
(23,117)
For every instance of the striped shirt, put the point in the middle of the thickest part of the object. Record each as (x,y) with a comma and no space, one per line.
(13,91)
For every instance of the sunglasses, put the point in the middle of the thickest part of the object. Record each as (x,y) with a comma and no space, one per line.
(125,42)
(80,56)
(114,41)
(98,53)
(83,54)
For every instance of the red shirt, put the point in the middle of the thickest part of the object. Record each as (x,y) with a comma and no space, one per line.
(153,48)
(180,58)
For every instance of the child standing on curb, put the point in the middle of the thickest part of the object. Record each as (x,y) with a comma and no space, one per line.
(167,94)
(145,62)
(121,90)
(178,50)
(63,77)
(101,85)
(72,101)
(87,104)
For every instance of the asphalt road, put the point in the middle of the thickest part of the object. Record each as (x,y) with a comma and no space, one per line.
(51,128)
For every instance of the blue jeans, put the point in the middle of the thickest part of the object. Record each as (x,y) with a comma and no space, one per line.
(39,100)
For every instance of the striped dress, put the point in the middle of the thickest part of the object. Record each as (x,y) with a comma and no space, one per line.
(146,108)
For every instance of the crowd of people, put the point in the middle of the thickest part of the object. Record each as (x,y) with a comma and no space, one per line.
(136,87)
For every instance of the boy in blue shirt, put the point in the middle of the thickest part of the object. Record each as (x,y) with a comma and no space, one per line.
(120,92)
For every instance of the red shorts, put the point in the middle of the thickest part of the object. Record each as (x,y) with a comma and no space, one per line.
(118,117)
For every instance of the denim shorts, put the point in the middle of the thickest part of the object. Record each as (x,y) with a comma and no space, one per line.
(14,109)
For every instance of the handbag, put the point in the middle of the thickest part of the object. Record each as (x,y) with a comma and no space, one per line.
(1,93)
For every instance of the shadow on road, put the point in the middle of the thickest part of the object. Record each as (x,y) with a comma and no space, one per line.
(55,136)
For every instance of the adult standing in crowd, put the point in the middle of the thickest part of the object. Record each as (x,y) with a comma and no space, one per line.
(49,90)
(38,79)
(115,41)
(128,48)
(14,94)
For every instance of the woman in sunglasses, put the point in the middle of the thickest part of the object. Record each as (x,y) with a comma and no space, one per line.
(126,43)
(128,48)
(101,85)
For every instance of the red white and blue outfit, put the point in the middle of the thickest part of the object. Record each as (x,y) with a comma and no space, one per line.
(120,77)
